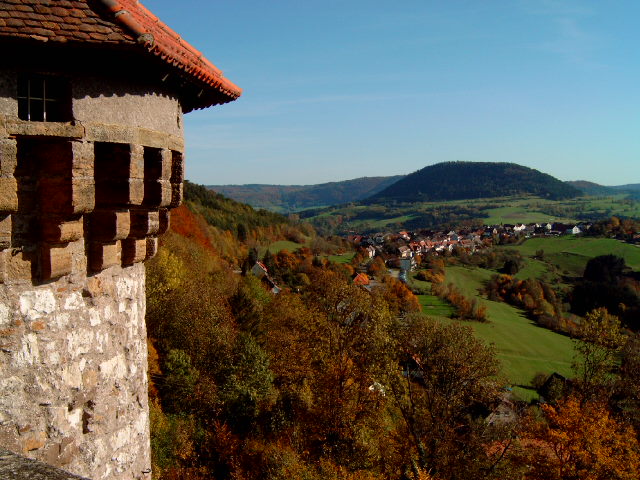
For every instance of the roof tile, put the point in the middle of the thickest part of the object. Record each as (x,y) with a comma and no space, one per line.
(15,22)
(95,21)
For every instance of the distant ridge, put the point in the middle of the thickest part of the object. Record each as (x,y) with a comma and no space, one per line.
(591,188)
(291,198)
(467,180)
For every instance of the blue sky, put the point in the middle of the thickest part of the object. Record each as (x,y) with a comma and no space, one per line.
(338,90)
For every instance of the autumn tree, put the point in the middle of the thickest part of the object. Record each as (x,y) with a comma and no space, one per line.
(597,344)
(580,441)
(448,374)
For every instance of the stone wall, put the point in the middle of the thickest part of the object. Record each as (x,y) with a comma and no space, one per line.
(73,373)
(18,467)
(82,204)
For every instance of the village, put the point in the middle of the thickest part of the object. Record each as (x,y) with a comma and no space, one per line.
(403,251)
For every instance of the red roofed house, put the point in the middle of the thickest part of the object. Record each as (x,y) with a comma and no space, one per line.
(361,279)
(92,94)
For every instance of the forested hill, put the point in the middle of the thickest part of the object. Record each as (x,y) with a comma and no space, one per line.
(290,198)
(590,188)
(463,180)
(226,213)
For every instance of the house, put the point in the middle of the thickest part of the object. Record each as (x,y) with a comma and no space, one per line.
(92,98)
(361,279)
(371,251)
(405,252)
(574,231)
(259,270)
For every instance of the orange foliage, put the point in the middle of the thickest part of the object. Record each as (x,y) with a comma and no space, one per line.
(582,442)
(185,223)
(399,297)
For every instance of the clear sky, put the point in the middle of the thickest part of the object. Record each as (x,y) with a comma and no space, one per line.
(335,90)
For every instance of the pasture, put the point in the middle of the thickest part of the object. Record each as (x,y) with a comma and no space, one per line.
(522,347)
(570,253)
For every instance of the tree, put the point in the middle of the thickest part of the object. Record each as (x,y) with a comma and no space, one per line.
(581,441)
(604,268)
(511,267)
(597,344)
(180,378)
(447,374)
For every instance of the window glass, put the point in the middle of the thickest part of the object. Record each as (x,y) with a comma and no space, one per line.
(43,99)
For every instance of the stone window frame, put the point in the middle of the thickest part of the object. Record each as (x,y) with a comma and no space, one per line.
(44,98)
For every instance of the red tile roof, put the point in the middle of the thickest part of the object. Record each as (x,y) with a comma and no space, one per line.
(116,22)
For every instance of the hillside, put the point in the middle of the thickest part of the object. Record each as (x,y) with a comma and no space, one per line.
(591,188)
(225,213)
(290,198)
(466,180)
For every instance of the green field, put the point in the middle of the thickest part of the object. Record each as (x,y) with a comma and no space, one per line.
(520,214)
(275,247)
(570,254)
(434,306)
(344,258)
(488,211)
(523,348)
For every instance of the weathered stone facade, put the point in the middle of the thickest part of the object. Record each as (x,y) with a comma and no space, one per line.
(81,205)
(74,373)
(92,95)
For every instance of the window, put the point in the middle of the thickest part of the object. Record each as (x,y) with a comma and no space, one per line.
(43,99)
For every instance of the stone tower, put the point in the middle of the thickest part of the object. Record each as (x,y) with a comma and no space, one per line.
(92,94)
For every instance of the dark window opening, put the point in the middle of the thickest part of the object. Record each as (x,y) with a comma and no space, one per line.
(44,99)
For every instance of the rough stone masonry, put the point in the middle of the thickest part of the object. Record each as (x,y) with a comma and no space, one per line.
(82,206)
(92,95)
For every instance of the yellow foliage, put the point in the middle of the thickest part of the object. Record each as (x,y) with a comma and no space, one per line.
(584,442)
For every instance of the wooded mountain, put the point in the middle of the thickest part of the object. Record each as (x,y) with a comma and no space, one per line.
(590,188)
(465,180)
(226,213)
(290,198)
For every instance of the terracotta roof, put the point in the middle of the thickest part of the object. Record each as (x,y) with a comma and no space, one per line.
(113,22)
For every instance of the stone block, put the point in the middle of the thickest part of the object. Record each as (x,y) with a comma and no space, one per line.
(8,194)
(133,251)
(177,167)
(175,143)
(164,220)
(167,164)
(152,247)
(103,255)
(2,278)
(57,230)
(83,159)
(6,229)
(53,129)
(151,138)
(66,195)
(33,441)
(19,266)
(136,167)
(55,261)
(8,157)
(176,195)
(110,225)
(121,193)
(99,132)
(157,193)
(144,223)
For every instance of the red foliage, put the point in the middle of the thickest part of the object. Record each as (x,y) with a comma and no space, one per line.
(187,224)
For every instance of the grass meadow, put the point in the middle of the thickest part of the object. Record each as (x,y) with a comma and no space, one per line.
(522,347)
